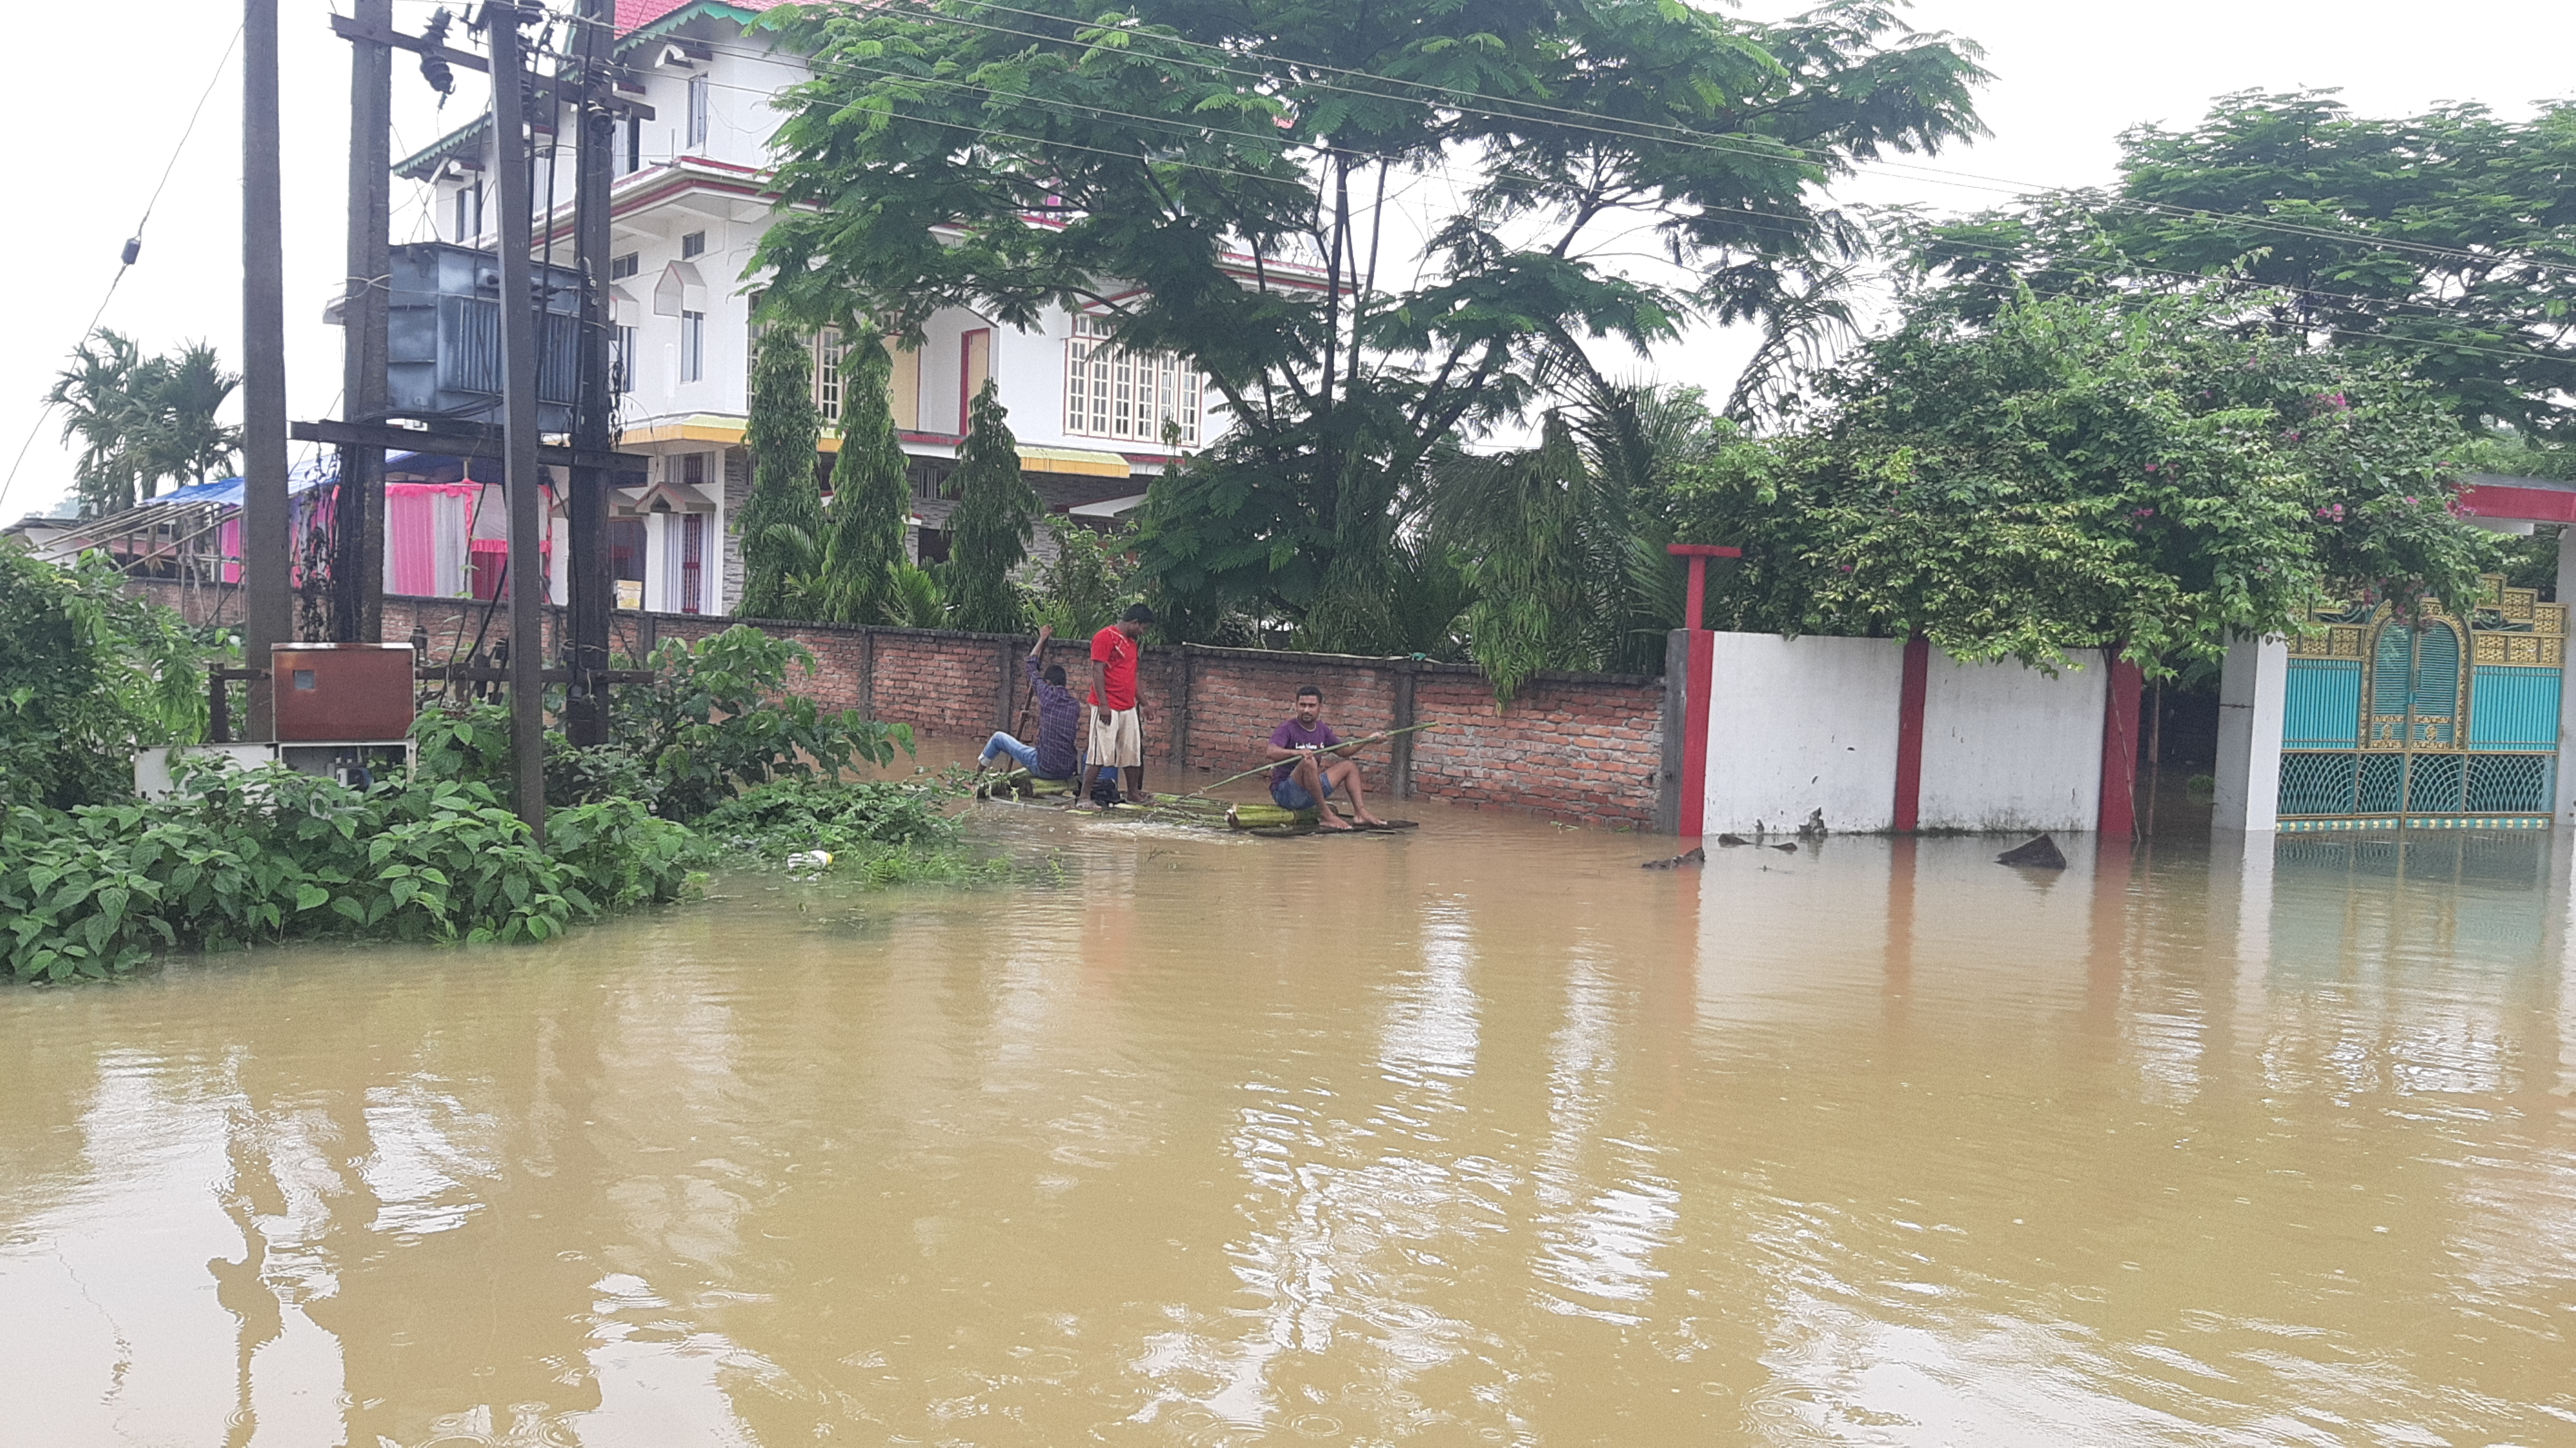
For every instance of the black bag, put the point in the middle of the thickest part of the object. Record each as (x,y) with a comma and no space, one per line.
(1104,791)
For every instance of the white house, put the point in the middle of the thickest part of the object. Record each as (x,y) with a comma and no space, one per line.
(690,205)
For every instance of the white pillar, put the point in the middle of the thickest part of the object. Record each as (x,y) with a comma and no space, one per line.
(2249,736)
(2566,696)
(658,546)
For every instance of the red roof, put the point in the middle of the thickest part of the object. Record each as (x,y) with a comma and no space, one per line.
(633,15)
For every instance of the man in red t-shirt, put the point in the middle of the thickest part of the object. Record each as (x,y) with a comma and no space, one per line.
(1117,725)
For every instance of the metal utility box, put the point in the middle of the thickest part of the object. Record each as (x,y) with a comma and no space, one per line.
(444,336)
(342,693)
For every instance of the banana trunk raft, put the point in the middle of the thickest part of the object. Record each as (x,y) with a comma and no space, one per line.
(1246,816)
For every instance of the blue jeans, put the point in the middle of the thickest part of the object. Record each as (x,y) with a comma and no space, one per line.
(1026,756)
(1289,794)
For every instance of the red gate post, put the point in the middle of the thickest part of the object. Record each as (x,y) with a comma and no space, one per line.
(1702,655)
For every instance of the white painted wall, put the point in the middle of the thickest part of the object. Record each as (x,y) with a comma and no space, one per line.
(2251,690)
(2008,748)
(1796,725)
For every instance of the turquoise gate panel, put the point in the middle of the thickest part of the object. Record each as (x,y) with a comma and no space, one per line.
(2422,719)
(2513,708)
(2321,705)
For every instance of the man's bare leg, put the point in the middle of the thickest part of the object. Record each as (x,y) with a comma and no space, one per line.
(1346,777)
(1082,796)
(1310,779)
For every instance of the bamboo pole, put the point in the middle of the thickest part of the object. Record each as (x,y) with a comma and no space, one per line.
(1344,747)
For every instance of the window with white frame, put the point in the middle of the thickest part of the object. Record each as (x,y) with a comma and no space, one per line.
(469,212)
(624,373)
(827,374)
(698,89)
(693,346)
(693,245)
(1127,395)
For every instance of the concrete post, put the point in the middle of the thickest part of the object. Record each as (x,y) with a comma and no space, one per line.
(2250,695)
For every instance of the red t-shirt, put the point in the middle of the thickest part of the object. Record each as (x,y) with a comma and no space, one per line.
(1118,653)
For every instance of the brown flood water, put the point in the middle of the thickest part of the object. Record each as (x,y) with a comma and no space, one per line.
(1475,1135)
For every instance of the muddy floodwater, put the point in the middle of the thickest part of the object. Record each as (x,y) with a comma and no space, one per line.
(1477,1134)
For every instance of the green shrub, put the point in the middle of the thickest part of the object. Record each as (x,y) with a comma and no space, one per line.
(718,719)
(88,673)
(241,857)
(777,820)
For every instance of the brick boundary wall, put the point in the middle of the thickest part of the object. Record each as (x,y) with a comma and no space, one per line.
(1585,748)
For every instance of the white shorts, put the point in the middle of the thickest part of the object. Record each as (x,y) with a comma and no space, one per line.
(1120,742)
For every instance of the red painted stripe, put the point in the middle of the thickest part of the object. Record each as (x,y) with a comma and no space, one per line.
(2119,818)
(2535,505)
(1703,658)
(1910,695)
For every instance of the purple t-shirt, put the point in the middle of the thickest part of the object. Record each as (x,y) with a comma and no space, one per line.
(1293,735)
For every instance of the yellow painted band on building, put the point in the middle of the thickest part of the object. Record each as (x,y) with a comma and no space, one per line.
(1073,460)
(704,427)
(718,428)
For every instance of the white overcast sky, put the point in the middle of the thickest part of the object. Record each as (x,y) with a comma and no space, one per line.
(2068,77)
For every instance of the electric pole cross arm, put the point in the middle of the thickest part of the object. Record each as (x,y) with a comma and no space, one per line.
(549,91)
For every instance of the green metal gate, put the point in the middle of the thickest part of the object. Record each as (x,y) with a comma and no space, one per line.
(2427,721)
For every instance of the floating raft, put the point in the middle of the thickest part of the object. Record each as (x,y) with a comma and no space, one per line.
(1249,816)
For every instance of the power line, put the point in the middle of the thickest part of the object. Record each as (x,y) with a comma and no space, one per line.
(133,247)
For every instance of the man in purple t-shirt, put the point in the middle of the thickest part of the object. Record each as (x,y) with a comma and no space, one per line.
(1309,770)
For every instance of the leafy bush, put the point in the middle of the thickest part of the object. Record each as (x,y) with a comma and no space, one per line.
(718,719)
(777,820)
(88,673)
(1086,585)
(240,857)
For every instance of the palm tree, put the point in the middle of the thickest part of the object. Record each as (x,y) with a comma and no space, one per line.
(178,395)
(1562,545)
(97,395)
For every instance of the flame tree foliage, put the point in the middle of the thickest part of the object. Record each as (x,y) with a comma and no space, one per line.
(782,521)
(2444,242)
(988,532)
(1211,179)
(2071,473)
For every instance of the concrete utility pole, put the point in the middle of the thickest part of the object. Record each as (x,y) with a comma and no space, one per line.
(266,617)
(358,567)
(586,644)
(521,478)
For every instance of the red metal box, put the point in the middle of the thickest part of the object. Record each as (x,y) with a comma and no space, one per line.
(342,692)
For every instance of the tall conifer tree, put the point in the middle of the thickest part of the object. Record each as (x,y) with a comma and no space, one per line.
(988,534)
(781,526)
(871,492)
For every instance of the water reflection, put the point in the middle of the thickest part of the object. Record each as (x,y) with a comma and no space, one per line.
(1482,1135)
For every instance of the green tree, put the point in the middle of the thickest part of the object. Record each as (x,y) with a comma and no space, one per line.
(1210,180)
(179,394)
(142,421)
(781,526)
(96,394)
(1561,548)
(988,533)
(871,493)
(2072,474)
(88,673)
(1084,586)
(2445,242)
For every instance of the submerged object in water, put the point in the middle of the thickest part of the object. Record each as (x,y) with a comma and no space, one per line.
(1695,855)
(1733,840)
(2039,854)
(810,860)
